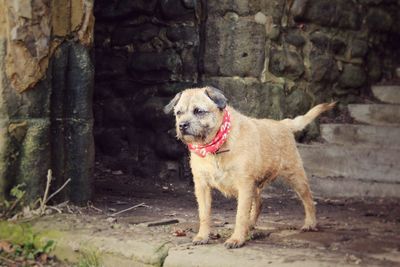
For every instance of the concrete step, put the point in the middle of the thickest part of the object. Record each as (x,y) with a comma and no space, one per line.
(345,187)
(369,135)
(387,93)
(375,114)
(352,162)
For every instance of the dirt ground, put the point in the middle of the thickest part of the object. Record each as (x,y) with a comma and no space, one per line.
(365,232)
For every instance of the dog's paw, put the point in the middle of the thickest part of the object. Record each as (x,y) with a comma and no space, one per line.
(200,240)
(309,228)
(233,243)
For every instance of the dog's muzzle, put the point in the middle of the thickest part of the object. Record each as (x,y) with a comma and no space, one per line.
(184,126)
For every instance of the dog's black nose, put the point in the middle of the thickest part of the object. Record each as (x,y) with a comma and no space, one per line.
(183,126)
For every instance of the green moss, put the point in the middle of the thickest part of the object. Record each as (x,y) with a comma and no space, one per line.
(16,233)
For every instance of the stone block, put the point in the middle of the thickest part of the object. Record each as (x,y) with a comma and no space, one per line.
(145,62)
(272,8)
(332,13)
(33,153)
(375,114)
(378,20)
(174,9)
(352,76)
(133,34)
(187,34)
(357,134)
(295,39)
(387,93)
(109,10)
(79,151)
(234,46)
(287,64)
(358,48)
(249,96)
(323,69)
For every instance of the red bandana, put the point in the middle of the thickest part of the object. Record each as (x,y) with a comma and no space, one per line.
(218,141)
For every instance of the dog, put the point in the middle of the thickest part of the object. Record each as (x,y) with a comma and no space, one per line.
(239,155)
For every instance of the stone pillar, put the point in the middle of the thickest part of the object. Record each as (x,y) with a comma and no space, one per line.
(46,86)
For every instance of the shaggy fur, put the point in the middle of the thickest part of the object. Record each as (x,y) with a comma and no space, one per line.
(259,150)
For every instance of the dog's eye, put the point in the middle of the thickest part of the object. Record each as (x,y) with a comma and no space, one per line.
(179,113)
(198,111)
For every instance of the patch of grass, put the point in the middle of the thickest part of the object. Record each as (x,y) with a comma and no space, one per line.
(90,258)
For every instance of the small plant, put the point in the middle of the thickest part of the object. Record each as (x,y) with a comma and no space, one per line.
(26,254)
(15,204)
(90,258)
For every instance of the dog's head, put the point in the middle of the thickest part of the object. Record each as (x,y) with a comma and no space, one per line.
(198,114)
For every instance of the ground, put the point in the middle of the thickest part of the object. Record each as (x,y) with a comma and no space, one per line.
(351,231)
(159,232)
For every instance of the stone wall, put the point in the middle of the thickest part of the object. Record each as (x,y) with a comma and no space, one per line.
(272,58)
(46,83)
(278,58)
(146,52)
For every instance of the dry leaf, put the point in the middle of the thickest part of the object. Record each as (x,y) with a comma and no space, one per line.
(179,232)
(6,246)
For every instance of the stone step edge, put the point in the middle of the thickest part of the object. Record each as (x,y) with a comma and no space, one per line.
(374,123)
(359,144)
(330,187)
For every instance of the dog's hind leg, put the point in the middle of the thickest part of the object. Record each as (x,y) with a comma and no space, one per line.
(256,207)
(297,179)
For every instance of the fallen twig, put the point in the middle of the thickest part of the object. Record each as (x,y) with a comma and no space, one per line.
(128,209)
(43,201)
(58,190)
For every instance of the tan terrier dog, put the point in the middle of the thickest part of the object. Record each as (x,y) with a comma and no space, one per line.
(238,156)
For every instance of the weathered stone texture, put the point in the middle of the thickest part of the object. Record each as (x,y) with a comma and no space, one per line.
(48,126)
(228,49)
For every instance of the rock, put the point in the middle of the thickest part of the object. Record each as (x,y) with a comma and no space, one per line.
(189,65)
(173,9)
(353,76)
(112,64)
(32,154)
(374,65)
(116,112)
(129,34)
(295,39)
(287,64)
(189,3)
(145,62)
(297,103)
(339,13)
(298,8)
(246,8)
(358,48)
(338,46)
(183,33)
(378,20)
(234,46)
(320,40)
(109,10)
(323,69)
(251,97)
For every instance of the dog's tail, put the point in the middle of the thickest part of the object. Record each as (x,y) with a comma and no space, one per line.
(300,122)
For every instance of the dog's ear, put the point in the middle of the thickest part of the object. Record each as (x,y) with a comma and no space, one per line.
(168,108)
(217,96)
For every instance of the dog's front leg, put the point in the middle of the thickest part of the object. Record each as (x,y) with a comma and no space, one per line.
(203,195)
(245,197)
